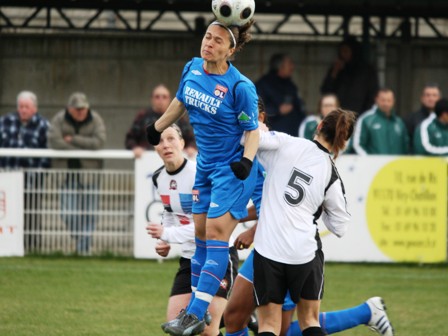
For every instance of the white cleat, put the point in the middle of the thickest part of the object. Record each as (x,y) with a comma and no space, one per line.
(379,321)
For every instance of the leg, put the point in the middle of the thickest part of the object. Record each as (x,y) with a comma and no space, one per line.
(175,304)
(216,309)
(198,259)
(218,232)
(270,318)
(308,314)
(241,304)
(286,321)
(210,277)
(368,313)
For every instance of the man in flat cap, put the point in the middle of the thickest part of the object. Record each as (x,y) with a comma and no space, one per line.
(77,127)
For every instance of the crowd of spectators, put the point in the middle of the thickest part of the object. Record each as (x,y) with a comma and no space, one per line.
(350,83)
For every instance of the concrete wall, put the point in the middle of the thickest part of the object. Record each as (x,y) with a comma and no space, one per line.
(117,72)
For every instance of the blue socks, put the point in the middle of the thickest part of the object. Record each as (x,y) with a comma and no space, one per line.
(212,273)
(197,261)
(244,332)
(340,320)
(333,322)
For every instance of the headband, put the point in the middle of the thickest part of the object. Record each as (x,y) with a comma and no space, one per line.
(230,32)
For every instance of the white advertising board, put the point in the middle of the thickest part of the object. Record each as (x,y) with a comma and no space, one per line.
(11,214)
(398,207)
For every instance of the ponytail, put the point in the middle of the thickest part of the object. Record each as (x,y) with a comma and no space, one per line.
(336,128)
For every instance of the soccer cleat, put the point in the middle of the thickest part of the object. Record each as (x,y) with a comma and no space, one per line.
(379,321)
(207,318)
(253,323)
(189,325)
(175,321)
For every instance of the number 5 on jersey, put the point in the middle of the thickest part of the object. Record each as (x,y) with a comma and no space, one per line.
(296,197)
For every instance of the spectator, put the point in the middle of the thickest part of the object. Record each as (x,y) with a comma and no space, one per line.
(431,136)
(327,103)
(284,107)
(26,128)
(380,130)
(351,78)
(78,128)
(430,95)
(136,136)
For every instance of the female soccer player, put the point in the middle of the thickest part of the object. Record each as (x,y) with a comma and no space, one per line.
(222,104)
(174,182)
(302,183)
(241,302)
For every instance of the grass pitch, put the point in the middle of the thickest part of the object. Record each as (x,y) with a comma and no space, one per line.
(83,296)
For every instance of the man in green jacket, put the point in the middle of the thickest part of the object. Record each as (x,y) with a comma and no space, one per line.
(431,135)
(380,131)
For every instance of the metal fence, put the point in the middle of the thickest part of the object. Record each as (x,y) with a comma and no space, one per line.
(85,212)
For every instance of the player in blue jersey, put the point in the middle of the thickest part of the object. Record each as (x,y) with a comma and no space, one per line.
(174,183)
(222,105)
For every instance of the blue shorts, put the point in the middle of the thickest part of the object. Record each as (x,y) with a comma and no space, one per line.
(217,191)
(247,268)
(247,272)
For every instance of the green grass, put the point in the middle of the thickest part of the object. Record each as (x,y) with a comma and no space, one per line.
(83,296)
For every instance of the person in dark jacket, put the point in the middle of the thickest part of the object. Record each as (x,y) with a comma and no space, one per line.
(431,136)
(284,107)
(430,95)
(351,78)
(136,135)
(26,128)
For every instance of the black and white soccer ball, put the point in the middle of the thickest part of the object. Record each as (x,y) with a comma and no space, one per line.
(233,12)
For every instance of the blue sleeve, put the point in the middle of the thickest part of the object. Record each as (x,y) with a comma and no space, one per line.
(246,101)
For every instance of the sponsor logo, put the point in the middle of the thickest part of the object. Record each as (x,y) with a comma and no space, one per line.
(195,195)
(195,262)
(201,100)
(220,91)
(196,72)
(224,284)
(243,117)
(2,204)
(211,262)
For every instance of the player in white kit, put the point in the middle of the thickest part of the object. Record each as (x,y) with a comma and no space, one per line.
(301,184)
(174,182)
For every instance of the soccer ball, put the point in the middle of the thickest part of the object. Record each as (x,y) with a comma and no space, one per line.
(233,12)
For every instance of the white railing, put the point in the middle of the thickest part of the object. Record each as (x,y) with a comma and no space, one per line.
(89,212)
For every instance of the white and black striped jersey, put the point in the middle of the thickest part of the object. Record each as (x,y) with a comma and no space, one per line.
(175,190)
(302,183)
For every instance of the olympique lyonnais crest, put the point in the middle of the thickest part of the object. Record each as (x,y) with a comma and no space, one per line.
(195,195)
(173,185)
(220,91)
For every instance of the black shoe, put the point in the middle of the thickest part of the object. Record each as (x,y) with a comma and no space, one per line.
(176,319)
(189,325)
(253,323)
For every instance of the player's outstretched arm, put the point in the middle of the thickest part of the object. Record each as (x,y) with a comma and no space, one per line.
(171,115)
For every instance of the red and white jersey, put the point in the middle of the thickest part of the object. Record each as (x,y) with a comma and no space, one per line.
(175,190)
(302,183)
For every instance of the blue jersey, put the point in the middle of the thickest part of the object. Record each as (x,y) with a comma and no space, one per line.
(220,107)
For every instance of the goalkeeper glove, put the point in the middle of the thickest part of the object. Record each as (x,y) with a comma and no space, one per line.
(152,135)
(241,168)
